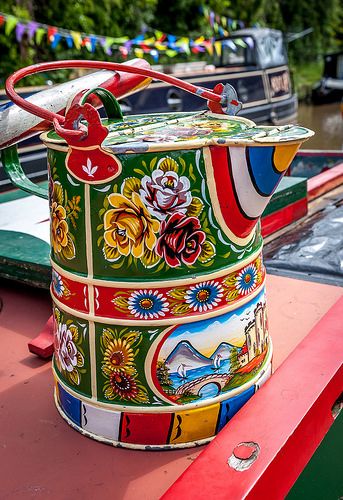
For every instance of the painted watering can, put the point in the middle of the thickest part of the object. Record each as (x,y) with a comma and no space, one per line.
(158,284)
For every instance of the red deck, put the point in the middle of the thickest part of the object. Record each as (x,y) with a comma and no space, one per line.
(42,457)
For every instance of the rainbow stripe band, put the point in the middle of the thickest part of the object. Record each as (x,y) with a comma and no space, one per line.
(178,429)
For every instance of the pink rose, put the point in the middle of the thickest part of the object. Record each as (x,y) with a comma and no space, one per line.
(165,193)
(65,348)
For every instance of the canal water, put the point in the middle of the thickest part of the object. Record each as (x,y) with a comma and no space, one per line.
(327,122)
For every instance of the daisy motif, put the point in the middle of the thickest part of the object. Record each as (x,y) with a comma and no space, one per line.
(204,296)
(57,284)
(147,304)
(246,280)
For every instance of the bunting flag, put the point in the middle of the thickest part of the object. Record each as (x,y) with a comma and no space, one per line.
(221,25)
(152,41)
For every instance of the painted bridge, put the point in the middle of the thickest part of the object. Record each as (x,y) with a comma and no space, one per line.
(196,385)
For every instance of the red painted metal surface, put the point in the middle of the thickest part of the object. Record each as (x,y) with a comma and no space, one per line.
(282,218)
(324,182)
(296,409)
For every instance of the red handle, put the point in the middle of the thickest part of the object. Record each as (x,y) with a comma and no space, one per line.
(49,115)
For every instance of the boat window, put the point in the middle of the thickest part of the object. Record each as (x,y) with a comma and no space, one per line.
(238,51)
(271,51)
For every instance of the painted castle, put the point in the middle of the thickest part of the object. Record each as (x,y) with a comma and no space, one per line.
(256,333)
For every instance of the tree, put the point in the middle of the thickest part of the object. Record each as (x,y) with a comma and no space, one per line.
(234,363)
(162,373)
(102,17)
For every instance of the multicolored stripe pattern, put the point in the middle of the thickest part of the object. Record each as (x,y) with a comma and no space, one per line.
(243,181)
(153,429)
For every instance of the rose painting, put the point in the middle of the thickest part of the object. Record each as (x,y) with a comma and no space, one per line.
(155,220)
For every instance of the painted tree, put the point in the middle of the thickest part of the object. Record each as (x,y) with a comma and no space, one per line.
(162,373)
(234,363)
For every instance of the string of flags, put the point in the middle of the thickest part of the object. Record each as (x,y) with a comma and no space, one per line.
(221,25)
(152,42)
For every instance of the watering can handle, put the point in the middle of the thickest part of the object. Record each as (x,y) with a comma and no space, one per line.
(10,159)
(218,100)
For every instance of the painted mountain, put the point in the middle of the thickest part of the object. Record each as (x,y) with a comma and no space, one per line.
(185,353)
(224,350)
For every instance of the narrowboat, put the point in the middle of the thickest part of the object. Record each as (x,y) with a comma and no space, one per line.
(254,61)
(330,87)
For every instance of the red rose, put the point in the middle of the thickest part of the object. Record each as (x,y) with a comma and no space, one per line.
(180,240)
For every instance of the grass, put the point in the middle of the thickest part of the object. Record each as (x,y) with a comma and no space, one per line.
(304,76)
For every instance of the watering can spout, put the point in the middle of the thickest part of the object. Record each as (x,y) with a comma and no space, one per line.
(242,182)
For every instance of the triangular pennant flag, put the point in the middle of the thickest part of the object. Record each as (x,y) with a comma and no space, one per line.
(230,43)
(77,39)
(209,46)
(159,35)
(55,40)
(155,55)
(171,53)
(109,41)
(39,35)
(11,23)
(124,52)
(69,41)
(160,46)
(240,42)
(31,29)
(199,40)
(218,48)
(138,52)
(121,39)
(51,32)
(19,31)
(149,41)
(92,41)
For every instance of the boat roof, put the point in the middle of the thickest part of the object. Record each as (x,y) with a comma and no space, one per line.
(269,47)
(257,33)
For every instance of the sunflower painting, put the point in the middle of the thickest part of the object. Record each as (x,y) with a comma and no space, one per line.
(118,366)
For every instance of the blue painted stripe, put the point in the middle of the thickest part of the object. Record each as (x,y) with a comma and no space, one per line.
(231,406)
(261,168)
(70,405)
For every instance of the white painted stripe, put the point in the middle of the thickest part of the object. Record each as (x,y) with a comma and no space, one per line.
(250,201)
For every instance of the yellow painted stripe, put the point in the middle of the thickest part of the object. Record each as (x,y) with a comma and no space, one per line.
(283,156)
(195,424)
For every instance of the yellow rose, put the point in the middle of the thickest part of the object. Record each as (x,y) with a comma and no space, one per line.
(129,227)
(60,237)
